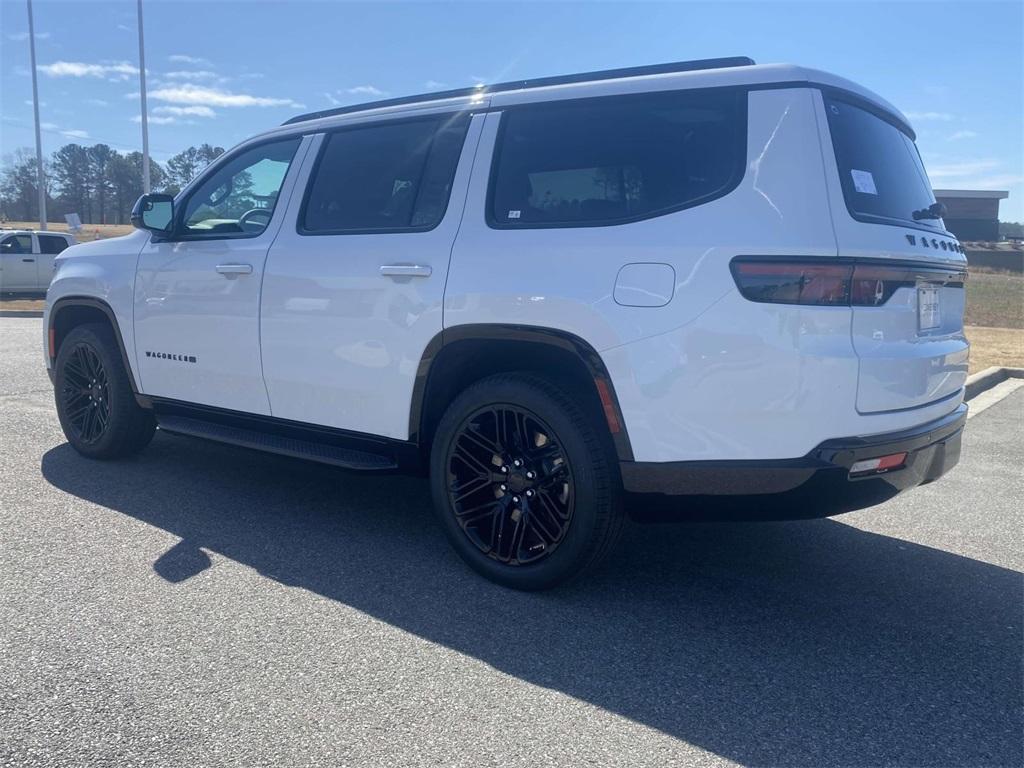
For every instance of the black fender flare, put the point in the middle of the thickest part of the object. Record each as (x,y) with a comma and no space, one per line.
(552,337)
(66,302)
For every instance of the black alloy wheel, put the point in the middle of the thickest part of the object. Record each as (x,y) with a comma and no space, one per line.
(525,480)
(85,394)
(96,405)
(510,484)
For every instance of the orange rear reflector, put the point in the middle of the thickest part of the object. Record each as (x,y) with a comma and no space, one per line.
(608,405)
(881,464)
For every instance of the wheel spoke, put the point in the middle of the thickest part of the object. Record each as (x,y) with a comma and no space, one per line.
(462,453)
(501,416)
(539,511)
(86,361)
(552,506)
(74,370)
(476,437)
(73,415)
(466,514)
(468,488)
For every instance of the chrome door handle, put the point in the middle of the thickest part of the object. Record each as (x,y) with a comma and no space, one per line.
(232,271)
(405,270)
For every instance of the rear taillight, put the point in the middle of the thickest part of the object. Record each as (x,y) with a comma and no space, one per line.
(820,283)
(782,282)
(873,286)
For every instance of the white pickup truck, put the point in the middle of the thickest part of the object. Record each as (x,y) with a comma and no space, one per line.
(26,259)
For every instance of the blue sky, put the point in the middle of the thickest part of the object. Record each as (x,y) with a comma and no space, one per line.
(220,71)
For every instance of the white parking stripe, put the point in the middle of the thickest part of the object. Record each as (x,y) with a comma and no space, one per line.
(992,396)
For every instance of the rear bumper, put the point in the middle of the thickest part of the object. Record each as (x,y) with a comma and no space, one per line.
(816,485)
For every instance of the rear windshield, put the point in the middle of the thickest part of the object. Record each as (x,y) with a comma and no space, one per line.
(880,169)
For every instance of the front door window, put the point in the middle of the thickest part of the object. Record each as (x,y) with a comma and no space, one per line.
(239,197)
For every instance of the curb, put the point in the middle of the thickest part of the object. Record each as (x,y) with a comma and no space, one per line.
(21,313)
(990,377)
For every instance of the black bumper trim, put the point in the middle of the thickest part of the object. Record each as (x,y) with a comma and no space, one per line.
(815,485)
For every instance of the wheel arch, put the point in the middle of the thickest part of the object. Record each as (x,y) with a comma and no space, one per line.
(458,356)
(69,312)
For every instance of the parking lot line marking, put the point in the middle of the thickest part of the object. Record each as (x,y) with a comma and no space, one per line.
(992,396)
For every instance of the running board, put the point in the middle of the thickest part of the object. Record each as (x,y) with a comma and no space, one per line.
(338,456)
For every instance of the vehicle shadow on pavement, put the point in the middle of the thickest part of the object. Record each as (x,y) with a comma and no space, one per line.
(805,643)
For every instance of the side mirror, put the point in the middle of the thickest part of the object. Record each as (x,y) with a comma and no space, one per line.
(154,212)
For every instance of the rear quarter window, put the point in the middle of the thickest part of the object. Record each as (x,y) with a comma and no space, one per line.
(52,244)
(613,160)
(880,170)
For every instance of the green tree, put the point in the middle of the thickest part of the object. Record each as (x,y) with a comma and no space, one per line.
(126,180)
(72,172)
(19,190)
(187,164)
(100,158)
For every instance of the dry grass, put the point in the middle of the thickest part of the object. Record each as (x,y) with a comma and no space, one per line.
(14,302)
(995,346)
(87,233)
(995,300)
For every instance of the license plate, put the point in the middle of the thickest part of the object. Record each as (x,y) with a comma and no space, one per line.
(928,307)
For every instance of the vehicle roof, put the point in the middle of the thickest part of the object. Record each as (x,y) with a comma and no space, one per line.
(572,87)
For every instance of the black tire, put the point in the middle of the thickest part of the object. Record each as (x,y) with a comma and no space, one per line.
(574,514)
(95,402)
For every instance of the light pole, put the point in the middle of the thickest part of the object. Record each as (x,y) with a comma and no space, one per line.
(145,109)
(40,177)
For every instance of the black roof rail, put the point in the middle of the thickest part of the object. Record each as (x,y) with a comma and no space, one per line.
(539,82)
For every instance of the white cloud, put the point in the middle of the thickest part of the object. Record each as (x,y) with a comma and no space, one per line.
(199,74)
(71,133)
(99,102)
(182,58)
(28,103)
(987,173)
(962,169)
(366,90)
(122,69)
(125,28)
(330,97)
(196,111)
(433,85)
(20,37)
(212,97)
(961,135)
(155,120)
(944,117)
(251,76)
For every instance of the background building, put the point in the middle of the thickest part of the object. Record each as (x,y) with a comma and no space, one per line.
(973,214)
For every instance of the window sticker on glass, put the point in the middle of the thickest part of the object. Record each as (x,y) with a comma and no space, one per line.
(863,181)
(514,214)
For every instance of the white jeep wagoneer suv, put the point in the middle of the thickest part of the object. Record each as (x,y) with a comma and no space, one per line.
(707,279)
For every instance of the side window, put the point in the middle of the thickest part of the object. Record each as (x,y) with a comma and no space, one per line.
(17,244)
(239,197)
(51,244)
(616,159)
(385,177)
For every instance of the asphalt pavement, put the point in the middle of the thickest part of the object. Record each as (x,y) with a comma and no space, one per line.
(205,605)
